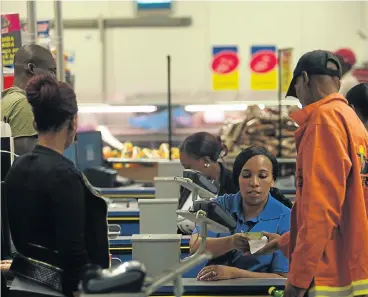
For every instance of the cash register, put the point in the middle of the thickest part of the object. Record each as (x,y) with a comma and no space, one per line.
(86,154)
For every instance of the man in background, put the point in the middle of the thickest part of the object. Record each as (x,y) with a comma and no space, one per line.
(328,241)
(347,60)
(30,60)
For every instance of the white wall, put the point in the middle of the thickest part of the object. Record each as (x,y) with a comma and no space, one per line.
(364,24)
(364,16)
(136,57)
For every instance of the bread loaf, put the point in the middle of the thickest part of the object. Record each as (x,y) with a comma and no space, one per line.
(261,127)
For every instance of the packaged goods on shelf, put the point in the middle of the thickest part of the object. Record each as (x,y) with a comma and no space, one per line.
(261,127)
(133,152)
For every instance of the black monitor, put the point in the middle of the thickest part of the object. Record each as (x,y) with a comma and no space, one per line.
(71,153)
(89,150)
(5,156)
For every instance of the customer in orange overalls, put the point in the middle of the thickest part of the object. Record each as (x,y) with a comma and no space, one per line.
(328,240)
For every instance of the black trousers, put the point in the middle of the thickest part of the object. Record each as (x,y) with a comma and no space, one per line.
(4,287)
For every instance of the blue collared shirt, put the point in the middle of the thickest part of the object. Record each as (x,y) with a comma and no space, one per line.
(275,218)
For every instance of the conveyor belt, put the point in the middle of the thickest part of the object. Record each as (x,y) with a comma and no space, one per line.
(234,287)
(244,286)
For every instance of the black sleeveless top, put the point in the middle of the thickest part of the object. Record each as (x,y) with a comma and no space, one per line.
(55,216)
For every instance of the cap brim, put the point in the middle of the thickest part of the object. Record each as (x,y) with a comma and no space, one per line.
(291,91)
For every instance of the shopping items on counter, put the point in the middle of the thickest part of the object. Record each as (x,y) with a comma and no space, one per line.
(260,127)
(275,293)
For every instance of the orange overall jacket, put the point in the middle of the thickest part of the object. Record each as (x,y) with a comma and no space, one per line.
(328,240)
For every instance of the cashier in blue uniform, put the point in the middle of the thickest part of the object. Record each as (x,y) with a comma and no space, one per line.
(257,207)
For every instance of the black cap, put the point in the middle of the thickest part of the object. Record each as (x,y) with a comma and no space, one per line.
(314,63)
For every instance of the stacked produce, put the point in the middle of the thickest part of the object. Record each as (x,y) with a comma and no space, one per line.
(261,127)
(130,151)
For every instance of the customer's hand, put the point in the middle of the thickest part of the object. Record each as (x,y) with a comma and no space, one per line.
(271,246)
(217,272)
(76,294)
(240,242)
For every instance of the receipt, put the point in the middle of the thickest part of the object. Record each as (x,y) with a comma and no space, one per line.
(256,244)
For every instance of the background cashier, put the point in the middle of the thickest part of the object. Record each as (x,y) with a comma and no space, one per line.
(201,151)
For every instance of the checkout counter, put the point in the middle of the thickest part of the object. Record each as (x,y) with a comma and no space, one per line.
(127,216)
(226,288)
(134,280)
(125,213)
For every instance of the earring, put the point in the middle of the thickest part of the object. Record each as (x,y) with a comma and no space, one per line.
(207,165)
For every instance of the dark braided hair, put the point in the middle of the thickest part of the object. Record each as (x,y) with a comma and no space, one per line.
(249,153)
(54,103)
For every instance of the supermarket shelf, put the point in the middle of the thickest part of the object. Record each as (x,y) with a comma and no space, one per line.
(139,138)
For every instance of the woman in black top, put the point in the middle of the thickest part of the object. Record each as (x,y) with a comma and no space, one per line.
(201,151)
(55,217)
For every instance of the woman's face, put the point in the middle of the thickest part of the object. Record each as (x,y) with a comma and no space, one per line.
(255,180)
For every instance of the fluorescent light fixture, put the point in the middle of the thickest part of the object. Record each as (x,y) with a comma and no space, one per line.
(105,108)
(264,102)
(216,107)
